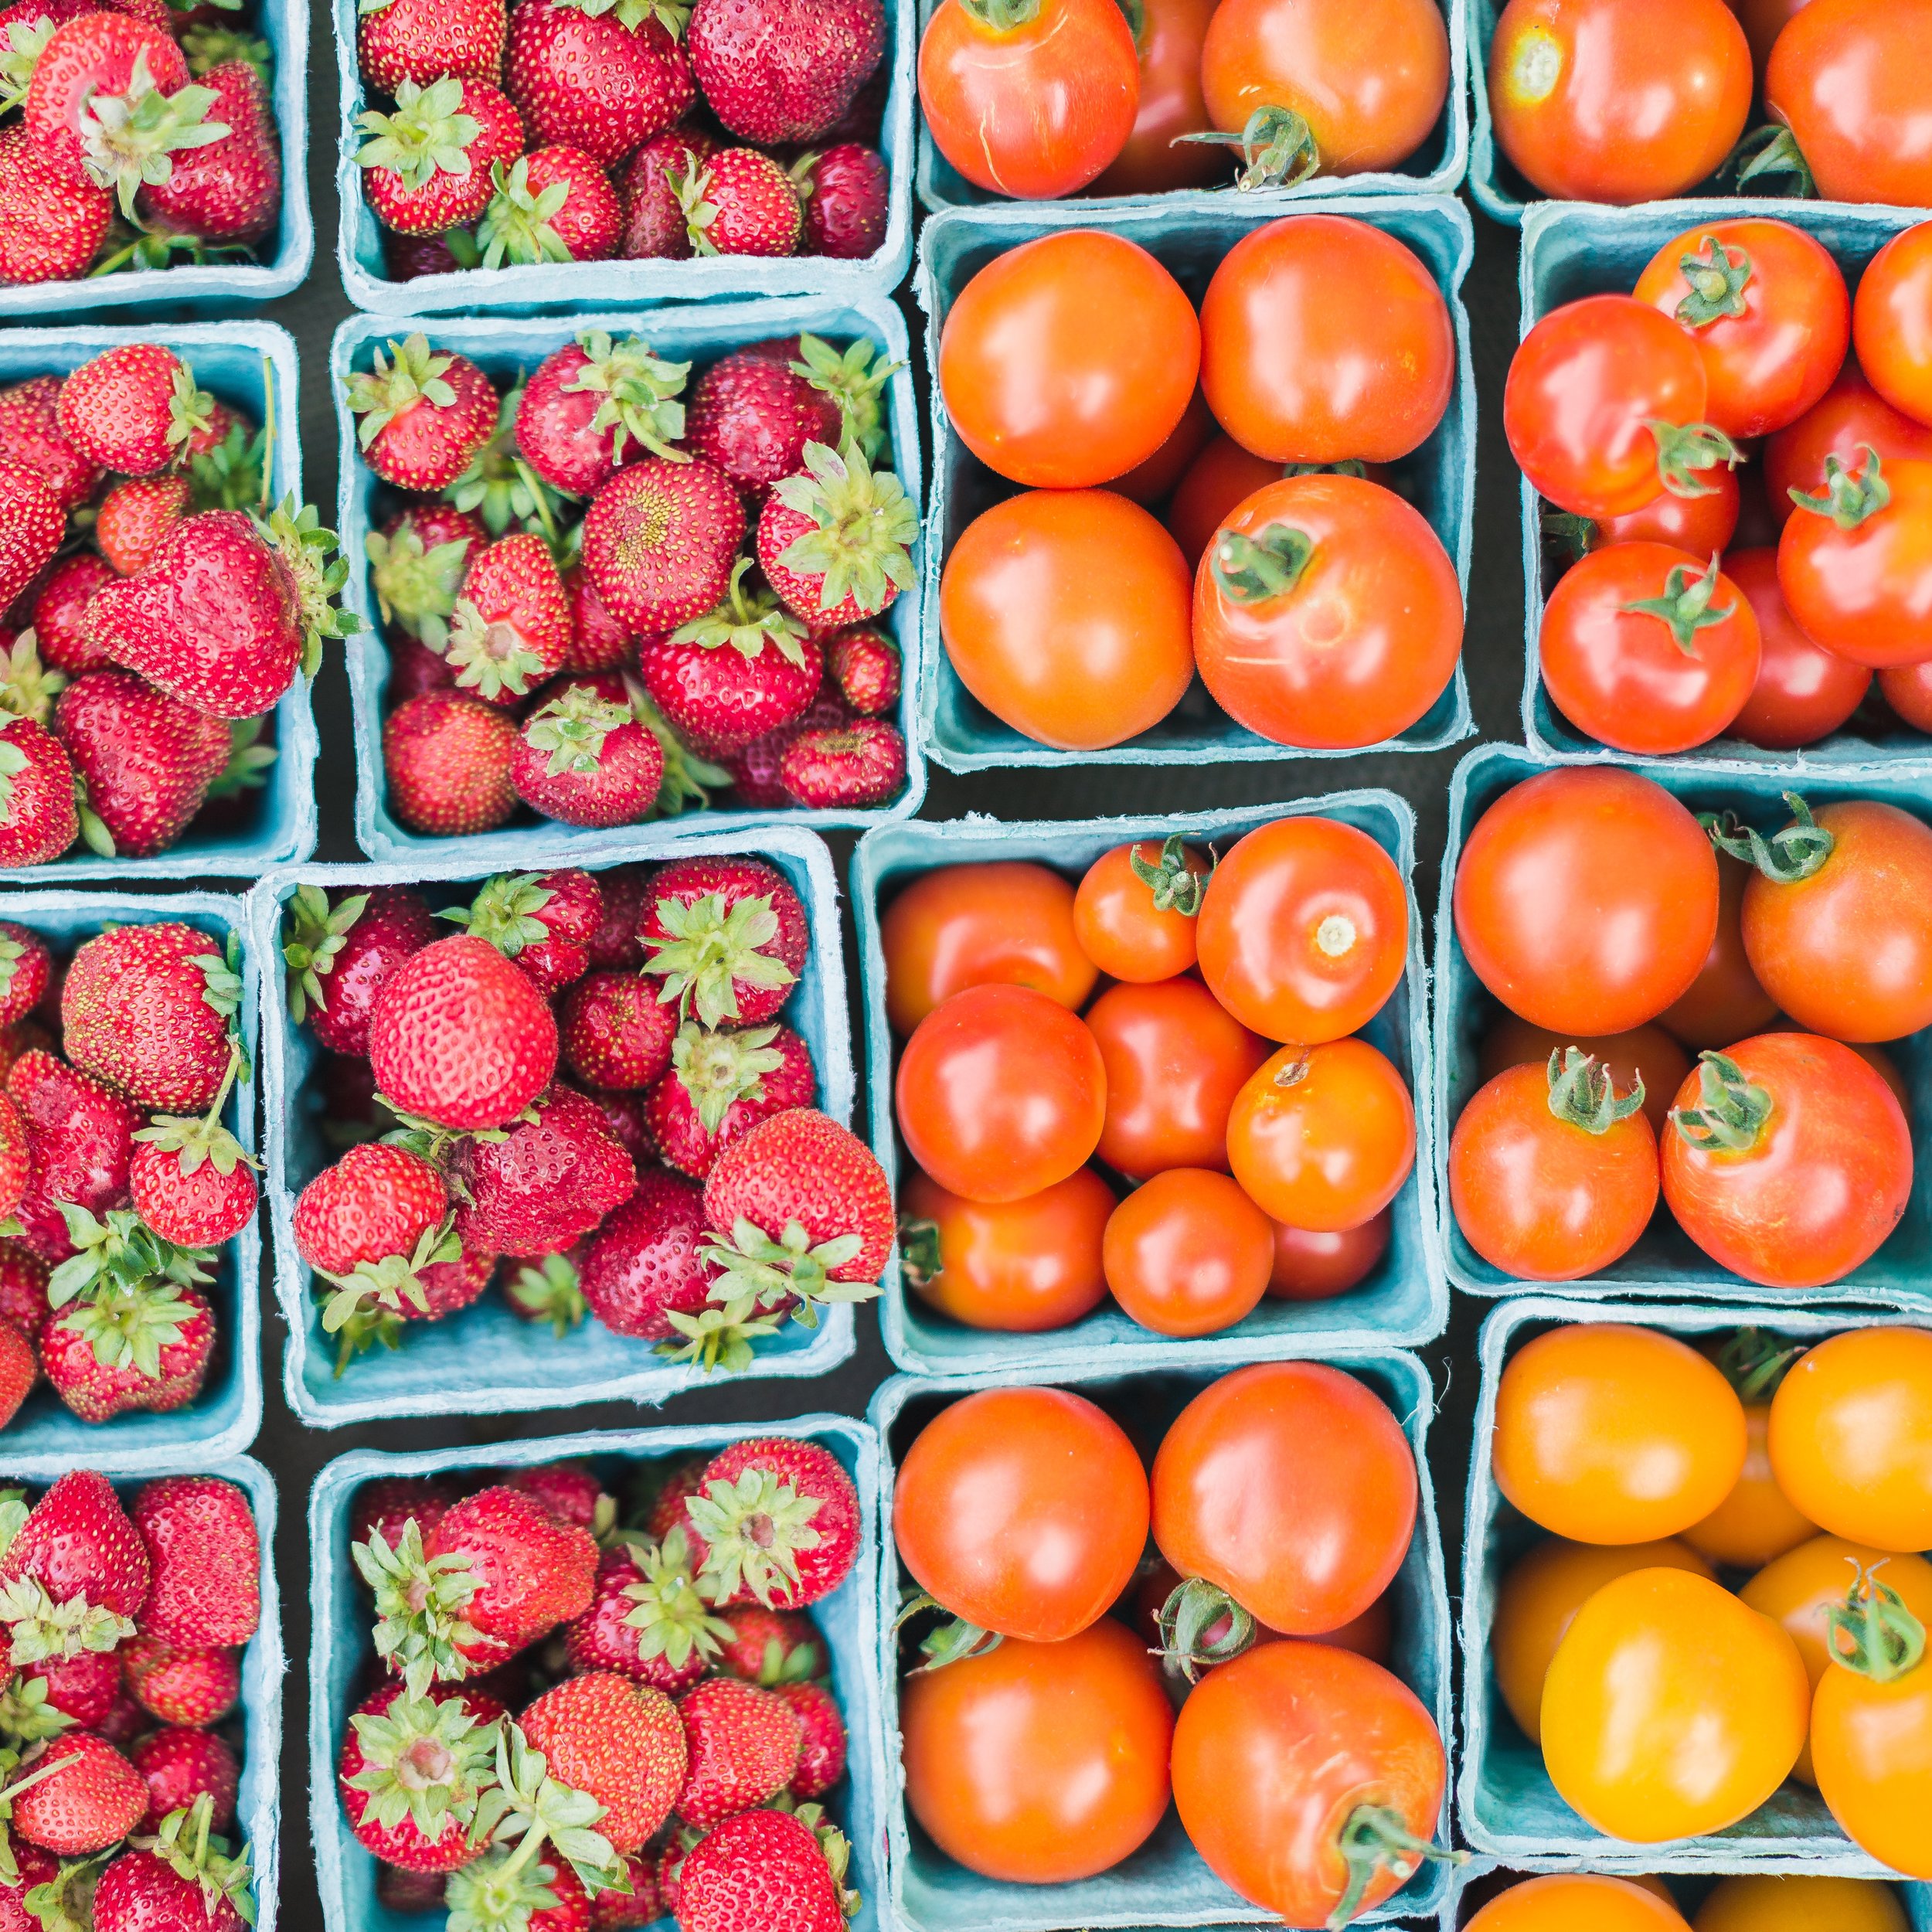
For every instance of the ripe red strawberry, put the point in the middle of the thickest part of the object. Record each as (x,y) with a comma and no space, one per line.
(654,224)
(670,1866)
(390,1502)
(423,40)
(647,1620)
(151,1011)
(726,935)
(202,1540)
(414,667)
(624,1114)
(179,1767)
(19,1370)
(722,1082)
(555,204)
(143,1347)
(191,1688)
(31,436)
(585,760)
(752,414)
(858,764)
(545,921)
(338,956)
(863,664)
(231,189)
(615,1032)
(736,673)
(31,525)
(659,540)
(182,1881)
(405,175)
(623,1912)
(739,201)
(641,1267)
(23,1288)
(15,1157)
(512,627)
(598,642)
(615,941)
(135,519)
(423,413)
(821,1757)
(410,1771)
(550,1181)
(371,1224)
(133,409)
(780,1520)
(148,760)
(26,972)
(35,1868)
(770,1646)
(60,610)
(675,1484)
(76,1574)
(571,1492)
(594,400)
(82,1139)
(847,193)
(835,541)
(416,565)
(51,225)
(447,759)
(191,1181)
(38,821)
(48,1696)
(784,71)
(742,1743)
(604,81)
(618,1741)
(93,1801)
(763,1871)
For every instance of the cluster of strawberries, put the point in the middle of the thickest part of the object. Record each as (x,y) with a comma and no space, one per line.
(145,136)
(616,136)
(658,993)
(118,1181)
(155,606)
(708,619)
(124,1635)
(674,1733)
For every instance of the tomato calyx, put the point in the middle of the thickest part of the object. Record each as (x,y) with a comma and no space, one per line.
(1176,886)
(952,1642)
(1718,278)
(1293,1072)
(1201,1625)
(1277,148)
(1686,450)
(1731,1109)
(1002,16)
(1684,608)
(1849,497)
(1754,1363)
(1768,151)
(1582,1095)
(1575,536)
(1873,1633)
(919,1257)
(1795,853)
(1252,570)
(1374,1840)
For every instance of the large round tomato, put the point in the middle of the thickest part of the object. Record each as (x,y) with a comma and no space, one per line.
(1800,1902)
(1892,322)
(1856,570)
(1040,1763)
(1001,1092)
(1725,1003)
(1221,478)
(1167,35)
(1852,418)
(1327,613)
(1303,930)
(1318,1267)
(1188,1253)
(1577,1902)
(1065,613)
(1645,1053)
(1032,98)
(1068,360)
(1290,1486)
(1135,911)
(1803,693)
(1585,900)
(1276,1754)
(1324,339)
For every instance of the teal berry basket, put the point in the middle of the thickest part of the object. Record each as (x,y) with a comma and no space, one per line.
(1189,234)
(1665,1262)
(484,1360)
(251,366)
(45,1438)
(1403,1302)
(1436,167)
(342,1667)
(1505,1804)
(1479,1881)
(1165,1884)
(504,348)
(1571,250)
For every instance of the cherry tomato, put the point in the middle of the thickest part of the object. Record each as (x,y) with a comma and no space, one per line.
(1222,478)
(1167,36)
(1040,1763)
(1290,1486)
(1001,1092)
(1725,1003)
(1327,613)
(1323,1137)
(1646,1053)
(1585,900)
(1852,418)
(1153,479)
(1701,525)
(1188,1253)
(1066,614)
(1017,1266)
(1763,22)
(1036,108)
(1368,1635)
(1907,689)
(1309,1737)
(1857,572)
(1318,1267)
(1303,930)
(1892,322)
(1801,1901)
(1618,100)
(1323,339)
(1578,1901)
(1803,693)
(1003,923)
(1068,360)
(1756,1521)
(1135,911)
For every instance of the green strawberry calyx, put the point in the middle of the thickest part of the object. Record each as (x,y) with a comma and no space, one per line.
(517,224)
(571,728)
(709,952)
(425,1760)
(717,1337)
(378,395)
(674,1620)
(40,1627)
(26,1716)
(11,953)
(419,1629)
(119,1254)
(129,1328)
(415,587)
(630,15)
(187,1846)
(491,655)
(313,933)
(128,141)
(65,1902)
(864,523)
(719,1067)
(747,621)
(856,381)
(199,1140)
(392,1281)
(527,1809)
(27,687)
(692,185)
(20,52)
(232,475)
(499,486)
(754,1528)
(547,1291)
(207,45)
(639,394)
(426,135)
(504,912)
(790,1273)
(308,549)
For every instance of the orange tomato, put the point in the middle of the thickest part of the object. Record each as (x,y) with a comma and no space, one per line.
(1756,1521)
(1221,478)
(1725,1003)
(1578,1902)
(1135,910)
(1763,22)
(1153,479)
(1907,689)
(1646,1053)
(1892,322)
(1318,1267)
(1188,1253)
(1168,34)
(1800,1902)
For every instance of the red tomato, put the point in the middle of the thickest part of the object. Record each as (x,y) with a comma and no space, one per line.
(1857,572)
(1318,1267)
(1579,1903)
(1618,100)
(1068,360)
(1788,1161)
(1001,1092)
(1153,480)
(1701,525)
(1646,1053)
(1892,322)
(1303,930)
(1327,613)
(1188,1253)
(1135,911)
(1763,22)
(1155,159)
(1852,417)
(1907,689)
(1035,109)
(1725,1003)
(1066,614)
(1585,900)
(1803,693)
(1323,339)
(1220,478)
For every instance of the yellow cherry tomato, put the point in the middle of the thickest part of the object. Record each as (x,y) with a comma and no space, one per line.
(1756,1521)
(1776,1901)
(1580,1903)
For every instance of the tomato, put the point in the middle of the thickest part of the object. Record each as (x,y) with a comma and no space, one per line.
(1857,572)
(1701,525)
(1017,1266)
(1290,1486)
(1001,1092)
(1323,339)
(1368,1635)
(1327,613)
(1066,614)
(1068,360)
(1538,1601)
(1188,1253)
(1318,1267)
(1763,22)
(1769,312)
(1577,1902)
(1803,693)
(1671,1709)
(1725,1003)
(1003,923)
(1222,476)
(1303,930)
(1168,35)
(1135,910)
(1852,418)
(1850,1436)
(1646,1053)
(1892,322)
(1040,1764)
(1756,1521)
(1800,1902)
(1175,1061)
(1649,649)
(1028,97)
(1153,479)
(1907,689)
(1585,900)
(1369,77)
(1278,1753)
(1323,1137)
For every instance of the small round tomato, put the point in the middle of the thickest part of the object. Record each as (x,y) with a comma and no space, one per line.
(1153,480)
(1001,1092)
(1892,322)
(1851,1436)
(1369,1635)
(1304,930)
(1725,1003)
(1852,418)
(1323,339)
(1175,1061)
(1022,1511)
(1645,1053)
(1756,1521)
(1003,923)
(1065,613)
(1701,525)
(1769,312)
(1585,900)
(1310,1737)
(1318,1267)
(1068,360)
(1032,100)
(1327,613)
(1040,1763)
(1801,1901)
(1188,1253)
(1168,35)
(1671,1709)
(1763,22)
(1014,1266)
(1221,478)
(1854,563)
(1323,1137)
(1135,910)
(1803,693)
(1907,689)
(1618,100)
(1578,1901)
(1290,1486)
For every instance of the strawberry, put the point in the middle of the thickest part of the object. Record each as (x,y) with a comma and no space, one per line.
(51,226)
(31,436)
(423,40)
(783,71)
(414,667)
(847,194)
(835,541)
(135,519)
(858,764)
(133,409)
(742,1743)
(184,1880)
(60,610)
(863,663)
(31,525)
(624,1114)
(92,1800)
(423,413)
(647,1620)
(659,540)
(765,1871)
(428,166)
(770,1646)
(231,189)
(147,761)
(502,1889)
(191,1182)
(416,565)
(399,1891)
(512,627)
(389,1501)
(593,398)
(544,921)
(338,956)
(739,201)
(570,1492)
(498,485)
(179,1767)
(38,821)
(23,1288)
(671,1488)
(722,1082)
(447,759)
(81,1136)
(727,936)
(189,1687)
(549,1182)
(58,1693)
(202,1540)
(640,1266)
(555,204)
(146,1347)
(34,1868)
(16,1161)
(622,1911)
(26,972)
(598,642)
(371,1224)
(585,760)
(752,414)
(601,78)
(821,1757)
(780,1520)
(620,1743)
(654,224)
(621,892)
(738,671)
(19,1369)
(411,1770)
(614,1032)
